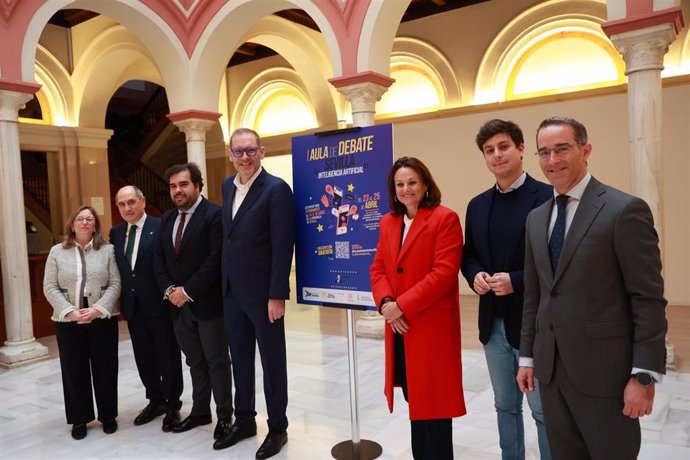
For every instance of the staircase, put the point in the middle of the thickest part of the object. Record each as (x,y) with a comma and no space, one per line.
(35,178)
(129,144)
(126,168)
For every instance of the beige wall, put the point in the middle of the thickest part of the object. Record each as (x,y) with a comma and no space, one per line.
(445,142)
(81,167)
(447,146)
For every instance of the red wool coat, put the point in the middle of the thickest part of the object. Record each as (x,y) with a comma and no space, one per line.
(423,278)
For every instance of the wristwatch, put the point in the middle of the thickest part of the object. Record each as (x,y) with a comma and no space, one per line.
(167,292)
(645,379)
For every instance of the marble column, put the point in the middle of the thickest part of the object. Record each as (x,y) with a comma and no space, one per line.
(363,92)
(195,128)
(20,347)
(643,51)
(363,98)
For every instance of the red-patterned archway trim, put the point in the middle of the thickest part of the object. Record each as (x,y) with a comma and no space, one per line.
(648,19)
(19,86)
(362,77)
(186,18)
(189,114)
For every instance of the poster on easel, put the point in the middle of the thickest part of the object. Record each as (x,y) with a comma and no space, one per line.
(340,195)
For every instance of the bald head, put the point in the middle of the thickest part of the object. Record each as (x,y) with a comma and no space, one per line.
(131,203)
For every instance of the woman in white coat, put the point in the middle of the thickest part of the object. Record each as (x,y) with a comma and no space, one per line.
(82,284)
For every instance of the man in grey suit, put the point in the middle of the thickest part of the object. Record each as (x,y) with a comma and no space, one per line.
(594,320)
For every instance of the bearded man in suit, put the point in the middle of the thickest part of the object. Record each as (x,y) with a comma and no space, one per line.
(187,268)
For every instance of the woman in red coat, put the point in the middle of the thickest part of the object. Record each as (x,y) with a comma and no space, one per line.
(414,278)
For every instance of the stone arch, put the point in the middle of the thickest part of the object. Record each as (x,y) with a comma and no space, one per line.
(56,86)
(685,54)
(436,62)
(275,75)
(523,31)
(306,53)
(228,29)
(378,33)
(155,36)
(114,57)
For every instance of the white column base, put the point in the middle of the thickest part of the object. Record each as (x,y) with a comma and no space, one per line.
(670,356)
(21,353)
(370,325)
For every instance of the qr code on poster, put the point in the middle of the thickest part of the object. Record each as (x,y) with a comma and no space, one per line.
(342,249)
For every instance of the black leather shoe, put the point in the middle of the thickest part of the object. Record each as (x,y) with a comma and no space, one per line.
(274,441)
(109,426)
(235,435)
(79,431)
(191,422)
(151,411)
(222,427)
(171,419)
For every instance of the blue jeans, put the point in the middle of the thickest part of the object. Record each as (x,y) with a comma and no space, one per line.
(502,361)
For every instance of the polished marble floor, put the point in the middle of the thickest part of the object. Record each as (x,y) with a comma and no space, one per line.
(32,423)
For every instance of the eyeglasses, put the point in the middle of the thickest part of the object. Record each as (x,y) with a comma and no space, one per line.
(560,150)
(85,220)
(238,152)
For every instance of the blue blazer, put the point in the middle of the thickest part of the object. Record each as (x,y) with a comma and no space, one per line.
(258,241)
(477,257)
(197,267)
(138,283)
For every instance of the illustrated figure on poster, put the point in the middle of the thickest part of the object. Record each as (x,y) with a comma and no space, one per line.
(342,212)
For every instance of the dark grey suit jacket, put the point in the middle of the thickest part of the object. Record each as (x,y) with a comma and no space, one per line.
(604,307)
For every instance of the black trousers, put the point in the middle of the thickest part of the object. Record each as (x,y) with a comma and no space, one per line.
(88,352)
(158,357)
(248,325)
(431,439)
(206,351)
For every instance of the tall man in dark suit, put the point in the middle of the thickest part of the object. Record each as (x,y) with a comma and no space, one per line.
(187,265)
(258,238)
(594,320)
(156,352)
(492,262)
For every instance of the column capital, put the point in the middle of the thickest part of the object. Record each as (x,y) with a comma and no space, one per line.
(195,129)
(11,102)
(363,96)
(644,49)
(362,91)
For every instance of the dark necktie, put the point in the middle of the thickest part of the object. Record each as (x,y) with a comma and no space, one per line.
(558,232)
(178,234)
(131,238)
